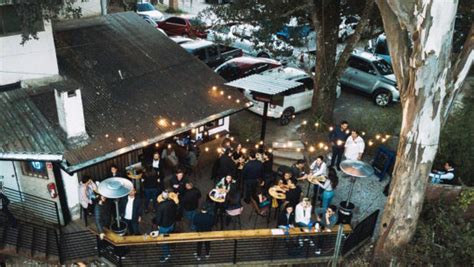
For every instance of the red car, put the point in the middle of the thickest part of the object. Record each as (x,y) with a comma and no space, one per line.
(189,27)
(240,67)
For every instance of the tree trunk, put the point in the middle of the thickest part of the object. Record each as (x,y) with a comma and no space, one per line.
(326,23)
(427,86)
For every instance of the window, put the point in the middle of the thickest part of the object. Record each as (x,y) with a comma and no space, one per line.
(10,23)
(361,65)
(297,90)
(383,67)
(308,83)
(212,51)
(381,47)
(145,7)
(229,71)
(34,169)
(200,53)
(176,21)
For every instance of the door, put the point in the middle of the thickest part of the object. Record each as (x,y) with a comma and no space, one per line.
(295,98)
(175,26)
(307,95)
(8,177)
(213,56)
(363,76)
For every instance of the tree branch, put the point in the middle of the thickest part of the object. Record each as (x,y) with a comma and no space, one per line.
(399,43)
(464,60)
(353,40)
(297,9)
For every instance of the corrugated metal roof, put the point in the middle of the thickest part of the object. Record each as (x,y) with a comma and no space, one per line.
(264,84)
(131,76)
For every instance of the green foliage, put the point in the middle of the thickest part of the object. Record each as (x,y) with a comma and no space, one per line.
(455,141)
(442,238)
(33,11)
(466,198)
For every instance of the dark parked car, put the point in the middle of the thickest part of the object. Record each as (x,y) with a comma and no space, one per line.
(188,27)
(240,67)
(210,53)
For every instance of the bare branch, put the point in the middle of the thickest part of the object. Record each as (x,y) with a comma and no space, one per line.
(297,9)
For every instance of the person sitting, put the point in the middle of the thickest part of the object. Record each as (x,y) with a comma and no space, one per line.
(326,219)
(283,182)
(303,213)
(178,181)
(260,201)
(227,183)
(446,176)
(286,219)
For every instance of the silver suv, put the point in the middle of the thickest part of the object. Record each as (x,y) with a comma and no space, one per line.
(372,75)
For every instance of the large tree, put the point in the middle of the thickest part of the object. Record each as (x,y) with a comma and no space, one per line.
(324,16)
(429,76)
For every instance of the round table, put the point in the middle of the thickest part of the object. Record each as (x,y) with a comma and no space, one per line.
(134,176)
(171,195)
(277,192)
(217,196)
(312,180)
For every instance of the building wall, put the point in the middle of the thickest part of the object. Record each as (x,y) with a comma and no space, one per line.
(71,186)
(34,60)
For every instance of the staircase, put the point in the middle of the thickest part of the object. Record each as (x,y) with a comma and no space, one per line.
(287,152)
(33,241)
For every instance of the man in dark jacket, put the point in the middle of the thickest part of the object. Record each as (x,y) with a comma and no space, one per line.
(203,222)
(286,219)
(178,181)
(4,202)
(252,171)
(153,186)
(131,212)
(189,201)
(165,220)
(226,165)
(102,215)
(338,137)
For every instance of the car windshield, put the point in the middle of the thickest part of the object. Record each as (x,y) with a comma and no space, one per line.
(145,7)
(383,67)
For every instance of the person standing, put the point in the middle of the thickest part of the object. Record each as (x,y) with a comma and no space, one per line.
(297,170)
(153,186)
(131,210)
(157,165)
(354,146)
(189,201)
(165,220)
(227,183)
(203,222)
(252,171)
(115,172)
(4,202)
(329,186)
(178,181)
(226,165)
(102,215)
(338,137)
(87,190)
(318,169)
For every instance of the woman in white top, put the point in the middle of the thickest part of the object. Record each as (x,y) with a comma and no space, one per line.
(303,213)
(354,146)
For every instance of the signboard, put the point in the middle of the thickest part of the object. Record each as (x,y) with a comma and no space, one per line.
(383,161)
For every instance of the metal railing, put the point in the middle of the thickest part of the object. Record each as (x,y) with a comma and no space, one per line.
(78,246)
(32,208)
(317,247)
(361,233)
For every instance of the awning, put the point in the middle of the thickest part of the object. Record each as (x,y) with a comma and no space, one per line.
(264,84)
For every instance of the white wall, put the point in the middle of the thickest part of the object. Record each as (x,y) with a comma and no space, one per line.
(89,8)
(35,59)
(7,175)
(71,186)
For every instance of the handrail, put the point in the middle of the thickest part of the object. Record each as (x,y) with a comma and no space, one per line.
(139,240)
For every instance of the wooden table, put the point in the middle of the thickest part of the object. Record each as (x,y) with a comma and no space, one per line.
(171,195)
(217,199)
(312,180)
(133,176)
(277,192)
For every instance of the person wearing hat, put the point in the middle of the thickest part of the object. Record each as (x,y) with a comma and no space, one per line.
(165,219)
(203,222)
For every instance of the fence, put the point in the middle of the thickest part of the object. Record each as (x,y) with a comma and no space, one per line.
(361,233)
(227,247)
(33,208)
(78,246)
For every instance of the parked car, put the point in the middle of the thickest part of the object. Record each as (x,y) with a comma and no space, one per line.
(150,21)
(240,67)
(379,47)
(210,53)
(147,9)
(188,27)
(371,75)
(243,36)
(287,103)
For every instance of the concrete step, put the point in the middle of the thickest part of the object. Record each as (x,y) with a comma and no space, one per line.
(25,240)
(289,145)
(292,155)
(40,245)
(277,162)
(52,253)
(11,240)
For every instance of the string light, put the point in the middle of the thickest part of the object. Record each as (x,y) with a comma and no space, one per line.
(157,145)
(169,146)
(377,136)
(256,146)
(305,122)
(183,124)
(363,133)
(173,123)
(348,132)
(162,122)
(222,92)
(270,150)
(214,88)
(311,149)
(371,142)
(106,135)
(383,140)
(298,150)
(219,150)
(387,136)
(237,101)
(248,140)
(232,138)
(206,149)
(316,124)
(217,136)
(229,97)
(321,145)
(244,150)
(193,131)
(119,139)
(326,147)
(331,128)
